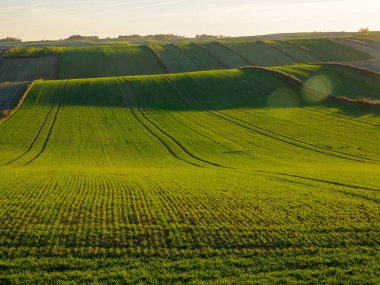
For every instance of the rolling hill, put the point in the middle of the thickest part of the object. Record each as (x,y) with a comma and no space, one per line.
(223,176)
(25,64)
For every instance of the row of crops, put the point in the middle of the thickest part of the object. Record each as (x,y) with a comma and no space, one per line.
(227,176)
(190,177)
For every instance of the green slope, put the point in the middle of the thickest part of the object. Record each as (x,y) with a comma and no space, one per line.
(364,46)
(174,58)
(372,42)
(108,61)
(202,58)
(226,55)
(261,53)
(214,177)
(330,50)
(28,69)
(298,54)
(338,80)
(121,60)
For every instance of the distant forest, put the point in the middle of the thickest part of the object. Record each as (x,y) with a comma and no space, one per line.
(10,40)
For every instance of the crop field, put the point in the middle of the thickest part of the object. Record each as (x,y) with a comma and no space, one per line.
(337,79)
(372,42)
(373,65)
(174,59)
(229,57)
(364,46)
(236,176)
(299,55)
(262,54)
(28,69)
(108,61)
(26,64)
(330,50)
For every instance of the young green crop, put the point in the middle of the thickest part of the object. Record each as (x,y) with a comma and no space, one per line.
(330,50)
(203,177)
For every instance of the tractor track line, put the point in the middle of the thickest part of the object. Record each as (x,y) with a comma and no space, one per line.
(280,50)
(280,139)
(217,114)
(320,180)
(194,122)
(52,126)
(142,112)
(321,150)
(39,131)
(338,116)
(247,61)
(161,62)
(224,65)
(308,51)
(335,190)
(299,141)
(148,129)
(189,56)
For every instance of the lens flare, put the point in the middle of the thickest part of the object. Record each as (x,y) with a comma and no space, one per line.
(317,89)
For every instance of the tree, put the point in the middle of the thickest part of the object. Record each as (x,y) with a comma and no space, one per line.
(10,40)
(79,38)
(205,37)
(364,31)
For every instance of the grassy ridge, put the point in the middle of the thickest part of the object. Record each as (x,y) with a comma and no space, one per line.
(338,80)
(155,58)
(196,177)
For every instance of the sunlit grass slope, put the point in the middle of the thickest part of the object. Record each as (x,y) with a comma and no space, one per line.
(218,177)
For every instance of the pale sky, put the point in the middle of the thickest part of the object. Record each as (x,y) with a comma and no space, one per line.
(55,19)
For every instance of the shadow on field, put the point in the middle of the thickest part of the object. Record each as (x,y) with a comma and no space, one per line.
(211,90)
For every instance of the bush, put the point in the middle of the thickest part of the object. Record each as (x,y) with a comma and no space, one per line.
(80,38)
(364,31)
(10,39)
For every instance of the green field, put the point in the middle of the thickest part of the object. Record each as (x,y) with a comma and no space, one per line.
(235,176)
(73,62)
(330,50)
